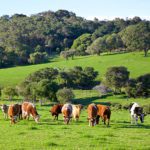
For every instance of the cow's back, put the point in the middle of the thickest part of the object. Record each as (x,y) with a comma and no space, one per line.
(14,110)
(56,109)
(67,110)
(92,111)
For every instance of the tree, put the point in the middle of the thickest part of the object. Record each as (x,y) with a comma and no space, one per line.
(139,87)
(10,92)
(81,43)
(97,47)
(117,77)
(78,77)
(65,95)
(40,84)
(131,88)
(137,37)
(38,57)
(45,73)
(68,53)
(143,85)
(114,42)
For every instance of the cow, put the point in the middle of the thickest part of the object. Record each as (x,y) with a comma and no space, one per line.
(56,110)
(14,112)
(67,112)
(29,109)
(76,111)
(4,109)
(103,112)
(136,111)
(92,114)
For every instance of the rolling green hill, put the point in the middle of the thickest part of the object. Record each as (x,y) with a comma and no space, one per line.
(135,62)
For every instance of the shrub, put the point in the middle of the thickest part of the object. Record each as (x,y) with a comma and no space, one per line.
(65,95)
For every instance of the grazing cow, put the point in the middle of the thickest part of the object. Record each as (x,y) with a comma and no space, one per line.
(4,109)
(67,112)
(56,110)
(29,109)
(135,111)
(104,112)
(76,111)
(92,114)
(14,112)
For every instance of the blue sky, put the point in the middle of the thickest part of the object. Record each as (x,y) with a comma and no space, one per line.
(102,9)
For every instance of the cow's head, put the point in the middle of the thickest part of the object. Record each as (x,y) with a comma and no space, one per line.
(4,107)
(37,118)
(142,115)
(13,119)
(92,121)
(67,119)
(139,112)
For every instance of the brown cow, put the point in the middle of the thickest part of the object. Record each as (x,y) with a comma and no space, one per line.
(104,112)
(14,112)
(76,111)
(30,109)
(67,112)
(56,110)
(92,114)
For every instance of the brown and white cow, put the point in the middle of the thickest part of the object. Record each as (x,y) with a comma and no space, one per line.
(104,112)
(92,114)
(4,109)
(14,111)
(29,109)
(76,111)
(56,110)
(67,112)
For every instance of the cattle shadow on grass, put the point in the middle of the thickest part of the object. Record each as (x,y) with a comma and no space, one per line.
(126,124)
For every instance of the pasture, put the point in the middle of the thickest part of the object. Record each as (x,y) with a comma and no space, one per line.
(50,134)
(136,63)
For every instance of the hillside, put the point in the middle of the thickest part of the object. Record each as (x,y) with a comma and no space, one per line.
(135,62)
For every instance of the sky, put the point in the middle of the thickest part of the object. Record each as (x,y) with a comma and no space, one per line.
(101,9)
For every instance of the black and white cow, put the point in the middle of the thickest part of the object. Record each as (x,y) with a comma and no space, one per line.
(4,109)
(136,111)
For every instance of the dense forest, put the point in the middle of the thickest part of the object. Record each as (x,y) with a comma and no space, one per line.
(34,39)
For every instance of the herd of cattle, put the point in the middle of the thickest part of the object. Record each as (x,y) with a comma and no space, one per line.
(95,112)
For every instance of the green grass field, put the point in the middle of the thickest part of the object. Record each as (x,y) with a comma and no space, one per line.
(54,135)
(49,134)
(135,62)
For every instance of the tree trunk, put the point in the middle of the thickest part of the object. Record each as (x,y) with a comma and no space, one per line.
(145,52)
(40,102)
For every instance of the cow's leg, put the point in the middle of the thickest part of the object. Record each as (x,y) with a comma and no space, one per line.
(132,118)
(108,122)
(136,119)
(89,122)
(104,119)
(54,117)
(97,119)
(57,117)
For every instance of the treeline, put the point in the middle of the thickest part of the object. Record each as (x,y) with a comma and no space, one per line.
(45,83)
(118,80)
(129,38)
(56,84)
(32,40)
